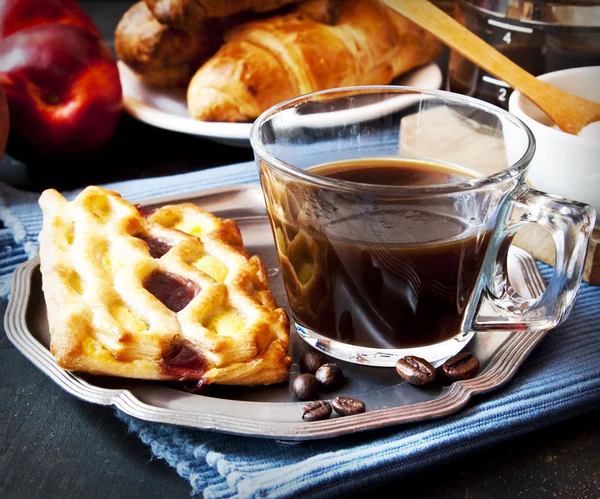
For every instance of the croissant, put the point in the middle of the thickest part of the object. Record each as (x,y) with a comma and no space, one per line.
(162,56)
(190,15)
(267,61)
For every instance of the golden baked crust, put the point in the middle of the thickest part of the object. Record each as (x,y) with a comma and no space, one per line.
(190,14)
(321,44)
(162,56)
(168,296)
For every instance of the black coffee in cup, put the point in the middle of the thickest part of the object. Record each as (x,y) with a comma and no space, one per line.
(390,275)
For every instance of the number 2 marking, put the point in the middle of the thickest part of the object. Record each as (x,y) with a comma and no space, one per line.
(502,94)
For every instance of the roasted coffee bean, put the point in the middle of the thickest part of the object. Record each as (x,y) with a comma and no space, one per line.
(316,410)
(329,376)
(415,370)
(311,361)
(463,365)
(305,386)
(346,406)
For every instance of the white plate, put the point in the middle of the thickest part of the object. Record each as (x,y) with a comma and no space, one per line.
(167,108)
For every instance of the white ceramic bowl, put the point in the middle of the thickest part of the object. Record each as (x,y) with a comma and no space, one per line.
(564,164)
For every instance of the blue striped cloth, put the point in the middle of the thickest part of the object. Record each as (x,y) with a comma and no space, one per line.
(560,379)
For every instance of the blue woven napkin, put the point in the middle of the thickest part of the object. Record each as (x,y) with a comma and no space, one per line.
(560,379)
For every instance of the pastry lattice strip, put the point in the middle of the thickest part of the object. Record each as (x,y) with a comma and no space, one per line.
(173,295)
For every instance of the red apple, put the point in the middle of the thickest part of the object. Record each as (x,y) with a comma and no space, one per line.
(16,15)
(62,86)
(4,121)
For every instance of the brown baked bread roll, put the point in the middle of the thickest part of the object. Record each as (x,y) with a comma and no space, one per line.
(191,14)
(267,61)
(162,56)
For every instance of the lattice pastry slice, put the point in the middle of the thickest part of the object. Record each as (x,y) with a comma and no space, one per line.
(169,295)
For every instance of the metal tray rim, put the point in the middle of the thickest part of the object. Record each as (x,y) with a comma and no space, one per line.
(509,358)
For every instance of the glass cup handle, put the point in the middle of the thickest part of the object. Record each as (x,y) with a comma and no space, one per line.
(570,224)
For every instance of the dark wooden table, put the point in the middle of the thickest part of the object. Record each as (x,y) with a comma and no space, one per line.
(54,445)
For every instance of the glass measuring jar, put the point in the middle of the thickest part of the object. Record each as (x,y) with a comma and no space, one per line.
(540,36)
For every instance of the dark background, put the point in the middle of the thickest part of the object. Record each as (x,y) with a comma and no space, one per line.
(54,445)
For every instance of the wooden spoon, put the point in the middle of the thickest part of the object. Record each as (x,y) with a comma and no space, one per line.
(569,112)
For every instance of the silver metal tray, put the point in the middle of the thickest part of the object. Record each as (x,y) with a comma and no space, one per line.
(271,411)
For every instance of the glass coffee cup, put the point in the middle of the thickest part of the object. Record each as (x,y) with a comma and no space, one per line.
(392,212)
